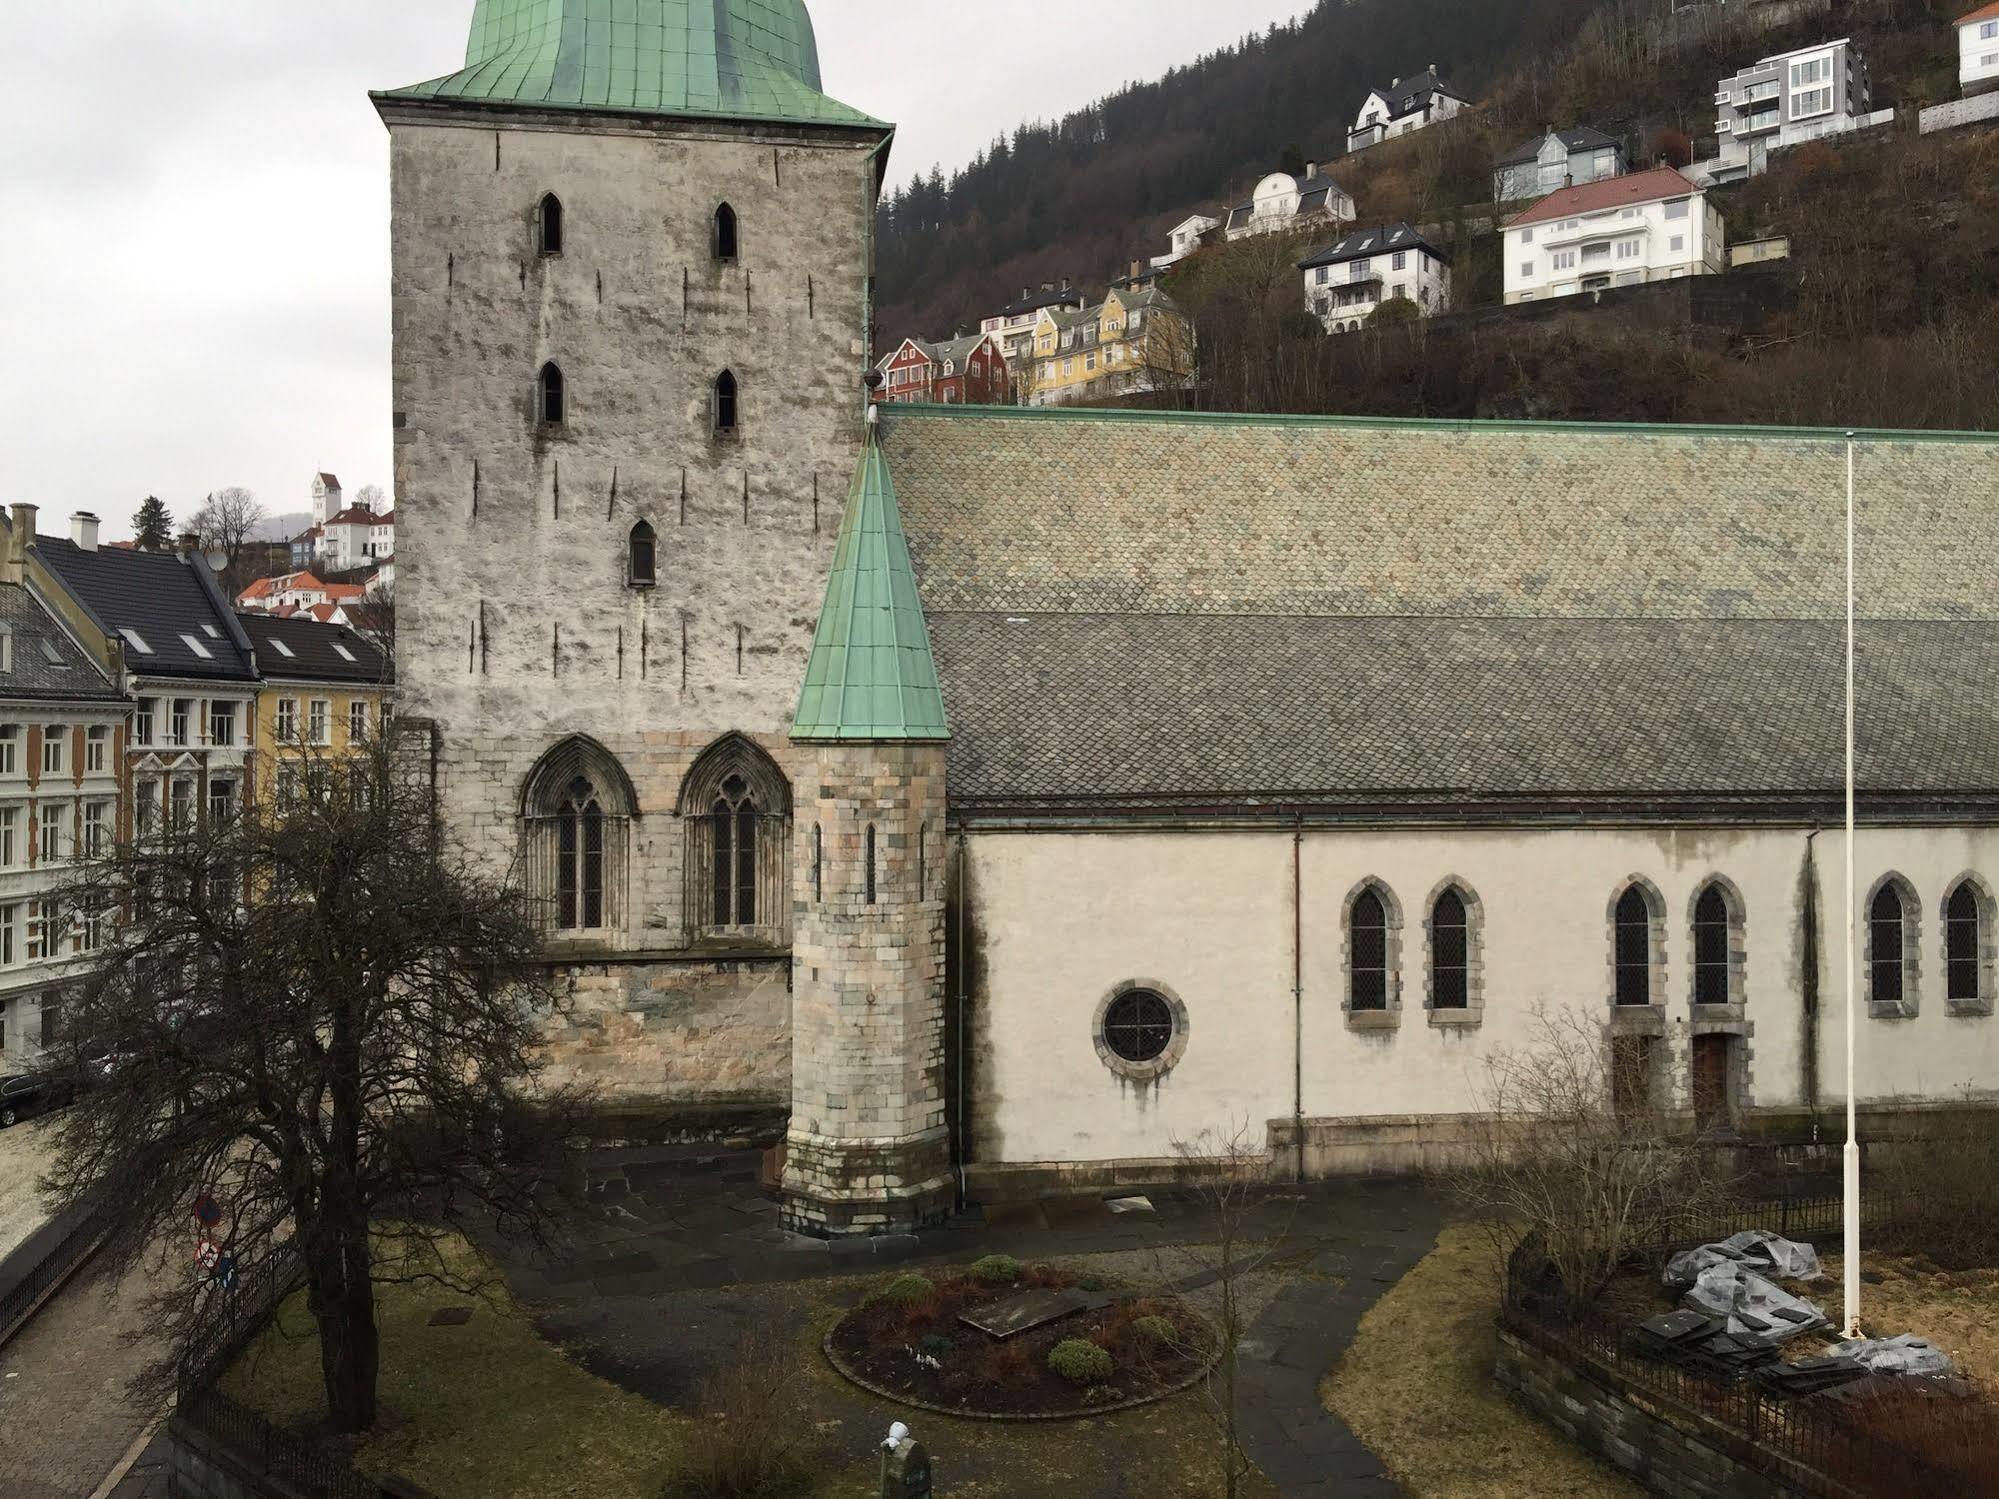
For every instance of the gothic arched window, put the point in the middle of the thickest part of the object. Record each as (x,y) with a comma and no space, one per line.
(726,245)
(736,806)
(549,225)
(576,811)
(1367,952)
(1635,943)
(725,402)
(551,396)
(1718,947)
(1450,953)
(1967,947)
(1893,941)
(642,557)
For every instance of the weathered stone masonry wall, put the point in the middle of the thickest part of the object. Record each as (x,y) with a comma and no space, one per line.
(518,626)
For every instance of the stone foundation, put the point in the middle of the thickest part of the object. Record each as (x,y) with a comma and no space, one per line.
(840,1188)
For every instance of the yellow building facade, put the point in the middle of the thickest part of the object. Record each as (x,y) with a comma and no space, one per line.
(1132,342)
(323,696)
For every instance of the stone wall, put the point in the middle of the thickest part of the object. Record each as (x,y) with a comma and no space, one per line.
(868,1148)
(1690,1460)
(1959,112)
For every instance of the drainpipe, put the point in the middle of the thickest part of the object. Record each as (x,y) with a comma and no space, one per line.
(1298,998)
(1809,981)
(958,1044)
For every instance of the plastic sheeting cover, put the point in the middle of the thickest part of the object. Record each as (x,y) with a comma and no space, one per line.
(1753,1306)
(1904,1355)
(1772,1255)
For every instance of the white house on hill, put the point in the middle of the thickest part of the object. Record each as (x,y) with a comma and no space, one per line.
(1649,226)
(1978,50)
(1283,201)
(1186,239)
(1406,104)
(1347,282)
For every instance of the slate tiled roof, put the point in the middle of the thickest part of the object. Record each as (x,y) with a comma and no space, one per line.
(1366,242)
(47,665)
(164,599)
(1409,95)
(301,647)
(1036,300)
(1582,138)
(1127,605)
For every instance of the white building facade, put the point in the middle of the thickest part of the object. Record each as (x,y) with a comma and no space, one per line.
(1405,106)
(1649,226)
(1347,282)
(1786,100)
(1284,202)
(1978,50)
(1185,239)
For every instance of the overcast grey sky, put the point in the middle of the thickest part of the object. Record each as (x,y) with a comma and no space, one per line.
(196,269)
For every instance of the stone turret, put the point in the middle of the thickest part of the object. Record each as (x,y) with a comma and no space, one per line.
(868,1150)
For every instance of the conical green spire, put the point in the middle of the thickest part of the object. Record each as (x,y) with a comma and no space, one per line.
(871,676)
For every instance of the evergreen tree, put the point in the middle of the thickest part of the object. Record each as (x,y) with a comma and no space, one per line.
(153,525)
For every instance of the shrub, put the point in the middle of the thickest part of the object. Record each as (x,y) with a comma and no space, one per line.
(903,1291)
(1080,1362)
(996,1270)
(1154,1334)
(934,1344)
(1938,1184)
(745,1444)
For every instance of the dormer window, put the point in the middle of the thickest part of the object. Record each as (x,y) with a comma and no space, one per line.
(549,225)
(726,239)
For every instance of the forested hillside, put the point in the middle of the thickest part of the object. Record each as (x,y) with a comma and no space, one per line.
(1084,195)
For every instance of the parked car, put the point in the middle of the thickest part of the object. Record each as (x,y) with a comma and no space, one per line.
(27,1094)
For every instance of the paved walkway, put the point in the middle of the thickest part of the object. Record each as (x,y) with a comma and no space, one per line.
(64,1418)
(675,1219)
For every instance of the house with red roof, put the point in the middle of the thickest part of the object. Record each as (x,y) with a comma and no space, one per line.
(1978,50)
(1623,231)
(298,593)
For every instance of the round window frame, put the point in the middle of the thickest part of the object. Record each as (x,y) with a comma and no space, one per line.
(1167,1060)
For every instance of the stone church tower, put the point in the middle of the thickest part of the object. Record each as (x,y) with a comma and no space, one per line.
(632,273)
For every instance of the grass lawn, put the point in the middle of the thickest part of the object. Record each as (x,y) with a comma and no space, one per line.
(480,1411)
(1416,1386)
(491,1410)
(1958,1310)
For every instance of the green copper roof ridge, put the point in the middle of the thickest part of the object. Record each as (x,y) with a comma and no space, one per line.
(1137,416)
(871,677)
(751,60)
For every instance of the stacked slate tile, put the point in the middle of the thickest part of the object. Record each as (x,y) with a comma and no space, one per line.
(1699,1344)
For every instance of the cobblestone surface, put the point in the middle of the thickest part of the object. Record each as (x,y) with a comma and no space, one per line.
(64,1417)
(24,1155)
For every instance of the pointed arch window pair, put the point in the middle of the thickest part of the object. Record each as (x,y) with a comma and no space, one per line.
(1894,939)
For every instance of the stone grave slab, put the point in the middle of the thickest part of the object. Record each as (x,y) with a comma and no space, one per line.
(1023,1313)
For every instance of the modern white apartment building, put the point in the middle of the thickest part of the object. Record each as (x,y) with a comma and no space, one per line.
(1649,226)
(1787,100)
(1345,283)
(1978,50)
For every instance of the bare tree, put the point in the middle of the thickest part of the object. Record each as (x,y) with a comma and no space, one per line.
(374,616)
(315,1018)
(1229,1173)
(370,498)
(226,521)
(1575,1140)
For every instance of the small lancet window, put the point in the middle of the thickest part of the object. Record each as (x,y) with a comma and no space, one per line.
(1962,940)
(725,233)
(1450,953)
(1634,948)
(642,557)
(549,223)
(870,858)
(1711,957)
(1368,952)
(733,820)
(553,396)
(1884,919)
(725,401)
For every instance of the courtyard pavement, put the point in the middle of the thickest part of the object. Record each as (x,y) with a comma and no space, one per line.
(667,1221)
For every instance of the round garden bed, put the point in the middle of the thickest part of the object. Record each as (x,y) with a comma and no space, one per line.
(1103,1347)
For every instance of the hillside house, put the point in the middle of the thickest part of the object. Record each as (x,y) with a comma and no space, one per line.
(1786,100)
(1186,238)
(1283,202)
(969,371)
(1406,105)
(1132,343)
(1014,323)
(1978,50)
(1648,226)
(1558,159)
(1346,282)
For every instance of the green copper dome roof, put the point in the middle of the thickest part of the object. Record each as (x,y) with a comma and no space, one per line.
(729,59)
(871,677)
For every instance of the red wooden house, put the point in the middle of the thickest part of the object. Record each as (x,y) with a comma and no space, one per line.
(968,371)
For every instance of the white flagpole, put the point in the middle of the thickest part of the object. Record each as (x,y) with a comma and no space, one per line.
(1852,1202)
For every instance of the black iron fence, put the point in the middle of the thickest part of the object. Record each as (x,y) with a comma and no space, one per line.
(1810,1445)
(63,1256)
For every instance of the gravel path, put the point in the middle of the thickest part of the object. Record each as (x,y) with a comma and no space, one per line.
(24,1156)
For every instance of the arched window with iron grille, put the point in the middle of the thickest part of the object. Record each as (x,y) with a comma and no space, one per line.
(735,805)
(1367,951)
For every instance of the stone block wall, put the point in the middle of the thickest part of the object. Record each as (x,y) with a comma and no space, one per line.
(1960,112)
(868,1149)
(1621,1427)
